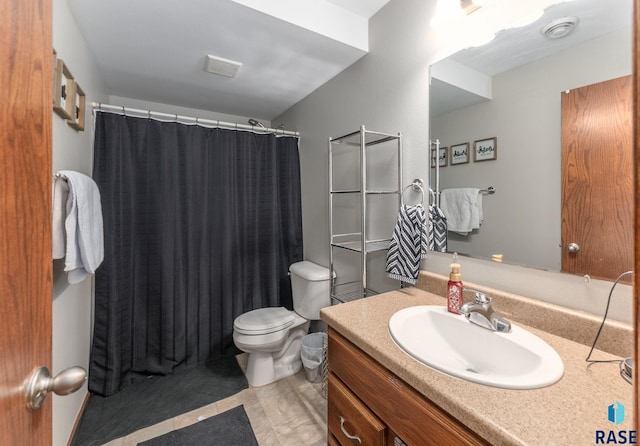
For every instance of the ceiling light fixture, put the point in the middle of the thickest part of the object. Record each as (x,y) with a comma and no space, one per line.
(221,66)
(469,6)
(482,3)
(559,28)
(447,13)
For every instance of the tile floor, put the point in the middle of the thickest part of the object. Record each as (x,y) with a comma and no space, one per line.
(289,412)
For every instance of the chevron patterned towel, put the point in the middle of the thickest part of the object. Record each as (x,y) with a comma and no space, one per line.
(408,244)
(437,230)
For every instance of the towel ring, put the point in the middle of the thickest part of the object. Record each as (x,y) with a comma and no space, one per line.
(413,186)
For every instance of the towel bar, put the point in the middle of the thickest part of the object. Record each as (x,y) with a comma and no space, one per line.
(488,191)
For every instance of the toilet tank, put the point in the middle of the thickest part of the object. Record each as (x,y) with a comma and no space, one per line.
(310,286)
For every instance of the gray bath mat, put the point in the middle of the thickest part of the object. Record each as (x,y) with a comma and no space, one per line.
(157,399)
(230,428)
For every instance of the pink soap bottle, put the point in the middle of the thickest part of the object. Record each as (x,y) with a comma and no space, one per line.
(454,289)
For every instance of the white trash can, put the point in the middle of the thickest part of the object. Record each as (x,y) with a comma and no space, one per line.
(313,355)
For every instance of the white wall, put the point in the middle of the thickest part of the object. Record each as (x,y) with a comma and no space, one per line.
(388,91)
(525,116)
(72,150)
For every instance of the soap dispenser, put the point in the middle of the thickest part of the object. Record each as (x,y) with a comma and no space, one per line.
(454,289)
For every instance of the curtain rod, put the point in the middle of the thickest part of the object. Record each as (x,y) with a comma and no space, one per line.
(118,109)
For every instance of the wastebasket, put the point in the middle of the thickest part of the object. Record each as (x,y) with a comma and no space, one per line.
(312,355)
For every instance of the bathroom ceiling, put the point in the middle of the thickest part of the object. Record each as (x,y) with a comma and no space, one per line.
(514,47)
(156,50)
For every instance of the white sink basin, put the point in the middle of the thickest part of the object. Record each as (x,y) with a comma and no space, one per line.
(453,345)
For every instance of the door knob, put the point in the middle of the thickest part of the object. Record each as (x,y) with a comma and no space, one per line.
(41,382)
(573,248)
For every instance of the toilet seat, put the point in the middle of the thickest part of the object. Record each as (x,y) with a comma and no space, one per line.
(264,321)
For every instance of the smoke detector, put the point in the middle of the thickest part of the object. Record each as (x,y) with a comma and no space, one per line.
(221,66)
(559,28)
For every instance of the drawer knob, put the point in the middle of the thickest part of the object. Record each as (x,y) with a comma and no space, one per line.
(354,438)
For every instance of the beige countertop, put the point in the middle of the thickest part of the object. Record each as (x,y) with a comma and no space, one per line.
(566,413)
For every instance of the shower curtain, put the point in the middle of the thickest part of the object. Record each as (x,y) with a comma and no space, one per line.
(201,225)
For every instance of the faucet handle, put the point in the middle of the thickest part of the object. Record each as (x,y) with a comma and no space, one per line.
(481,298)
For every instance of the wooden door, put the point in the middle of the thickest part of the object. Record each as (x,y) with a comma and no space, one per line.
(597,179)
(25,215)
(636,157)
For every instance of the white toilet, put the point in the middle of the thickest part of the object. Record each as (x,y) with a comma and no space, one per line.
(273,336)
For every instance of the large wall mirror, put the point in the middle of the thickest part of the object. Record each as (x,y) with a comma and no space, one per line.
(511,89)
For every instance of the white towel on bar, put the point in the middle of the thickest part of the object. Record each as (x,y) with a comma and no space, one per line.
(83,226)
(59,198)
(463,209)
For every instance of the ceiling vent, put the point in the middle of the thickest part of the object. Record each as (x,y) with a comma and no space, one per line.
(221,66)
(559,28)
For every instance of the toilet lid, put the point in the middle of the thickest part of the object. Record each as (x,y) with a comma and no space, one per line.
(264,320)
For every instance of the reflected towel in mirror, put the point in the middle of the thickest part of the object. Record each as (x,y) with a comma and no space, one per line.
(463,209)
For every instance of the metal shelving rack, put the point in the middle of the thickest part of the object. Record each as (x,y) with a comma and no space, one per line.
(359,242)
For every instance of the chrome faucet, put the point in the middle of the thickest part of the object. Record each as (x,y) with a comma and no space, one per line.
(481,313)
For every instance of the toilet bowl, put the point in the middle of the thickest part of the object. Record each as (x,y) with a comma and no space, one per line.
(272,336)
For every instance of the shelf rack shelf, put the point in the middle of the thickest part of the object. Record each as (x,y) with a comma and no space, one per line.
(359,242)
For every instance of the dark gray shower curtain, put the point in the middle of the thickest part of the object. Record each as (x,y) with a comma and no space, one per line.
(201,225)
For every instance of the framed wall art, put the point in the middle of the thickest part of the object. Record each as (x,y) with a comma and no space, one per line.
(63,82)
(459,153)
(485,149)
(77,96)
(443,157)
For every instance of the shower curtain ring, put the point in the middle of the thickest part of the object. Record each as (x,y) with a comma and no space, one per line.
(124,113)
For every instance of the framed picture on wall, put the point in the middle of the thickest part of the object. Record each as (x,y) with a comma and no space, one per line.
(77,119)
(459,153)
(485,149)
(63,102)
(443,157)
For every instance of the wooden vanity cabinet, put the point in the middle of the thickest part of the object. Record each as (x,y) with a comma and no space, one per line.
(377,406)
(352,419)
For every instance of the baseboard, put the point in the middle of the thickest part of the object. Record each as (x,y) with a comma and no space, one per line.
(76,424)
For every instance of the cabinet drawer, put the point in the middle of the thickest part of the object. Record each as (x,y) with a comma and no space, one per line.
(406,412)
(331,440)
(347,416)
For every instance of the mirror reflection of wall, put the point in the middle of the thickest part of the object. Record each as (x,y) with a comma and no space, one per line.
(522,219)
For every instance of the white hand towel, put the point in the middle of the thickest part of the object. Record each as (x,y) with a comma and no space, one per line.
(463,209)
(83,225)
(60,195)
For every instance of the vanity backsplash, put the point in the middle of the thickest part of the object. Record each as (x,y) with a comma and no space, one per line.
(616,337)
